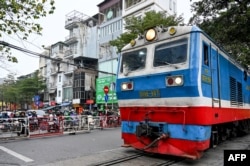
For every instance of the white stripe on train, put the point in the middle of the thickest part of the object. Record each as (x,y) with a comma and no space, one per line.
(178,101)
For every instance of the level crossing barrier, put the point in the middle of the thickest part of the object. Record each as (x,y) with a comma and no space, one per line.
(47,126)
(77,123)
(104,121)
(11,128)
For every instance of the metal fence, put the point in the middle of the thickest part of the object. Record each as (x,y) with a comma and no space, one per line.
(14,127)
(48,126)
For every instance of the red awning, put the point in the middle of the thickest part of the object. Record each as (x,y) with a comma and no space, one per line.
(89,101)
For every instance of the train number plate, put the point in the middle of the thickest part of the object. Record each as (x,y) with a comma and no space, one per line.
(149,93)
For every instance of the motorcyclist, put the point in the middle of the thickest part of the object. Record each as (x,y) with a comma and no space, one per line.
(53,125)
(23,119)
(33,121)
(67,117)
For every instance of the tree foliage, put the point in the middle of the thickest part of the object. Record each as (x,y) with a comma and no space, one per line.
(22,90)
(227,23)
(134,26)
(19,17)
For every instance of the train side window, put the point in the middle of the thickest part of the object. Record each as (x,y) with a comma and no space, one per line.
(205,55)
(245,75)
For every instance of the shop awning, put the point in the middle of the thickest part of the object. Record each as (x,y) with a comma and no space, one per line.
(48,108)
(52,91)
(65,104)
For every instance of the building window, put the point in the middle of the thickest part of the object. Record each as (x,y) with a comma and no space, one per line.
(59,78)
(111,28)
(59,93)
(129,3)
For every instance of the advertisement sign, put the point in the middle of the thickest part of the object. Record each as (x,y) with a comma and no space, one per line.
(101,90)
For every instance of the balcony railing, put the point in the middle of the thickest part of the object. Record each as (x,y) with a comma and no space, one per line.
(52,85)
(69,53)
(71,38)
(68,83)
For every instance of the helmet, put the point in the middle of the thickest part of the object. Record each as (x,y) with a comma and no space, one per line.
(17,113)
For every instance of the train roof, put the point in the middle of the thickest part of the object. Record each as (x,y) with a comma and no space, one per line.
(180,30)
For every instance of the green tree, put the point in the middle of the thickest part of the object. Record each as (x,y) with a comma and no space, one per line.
(8,89)
(29,87)
(19,17)
(135,26)
(23,90)
(227,23)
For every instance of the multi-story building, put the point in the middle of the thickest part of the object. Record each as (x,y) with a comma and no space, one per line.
(71,68)
(110,12)
(44,95)
(112,16)
(55,73)
(87,47)
(137,8)
(82,42)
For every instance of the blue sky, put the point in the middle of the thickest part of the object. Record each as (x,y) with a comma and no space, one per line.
(53,31)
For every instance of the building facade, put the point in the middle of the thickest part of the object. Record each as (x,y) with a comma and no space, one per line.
(112,16)
(86,54)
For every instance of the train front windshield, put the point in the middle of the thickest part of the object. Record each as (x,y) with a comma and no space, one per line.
(134,60)
(171,53)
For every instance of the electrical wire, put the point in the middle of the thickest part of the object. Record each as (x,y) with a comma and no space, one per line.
(47,57)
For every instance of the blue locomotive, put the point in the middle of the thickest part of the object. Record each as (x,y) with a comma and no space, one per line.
(180,93)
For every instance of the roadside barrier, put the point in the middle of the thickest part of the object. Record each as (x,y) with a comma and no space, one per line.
(74,123)
(103,121)
(111,121)
(45,126)
(14,127)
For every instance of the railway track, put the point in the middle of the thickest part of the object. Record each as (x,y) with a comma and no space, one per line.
(139,159)
(213,156)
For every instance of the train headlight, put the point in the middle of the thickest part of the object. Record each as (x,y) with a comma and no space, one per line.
(132,43)
(150,34)
(125,86)
(172,31)
(174,81)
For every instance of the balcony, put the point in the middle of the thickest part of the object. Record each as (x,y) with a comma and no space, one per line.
(68,70)
(58,57)
(52,86)
(71,39)
(54,71)
(73,18)
(69,54)
(68,83)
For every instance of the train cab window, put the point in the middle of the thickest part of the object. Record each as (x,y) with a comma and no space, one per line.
(205,55)
(133,60)
(171,53)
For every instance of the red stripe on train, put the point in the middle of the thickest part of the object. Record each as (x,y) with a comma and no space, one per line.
(184,115)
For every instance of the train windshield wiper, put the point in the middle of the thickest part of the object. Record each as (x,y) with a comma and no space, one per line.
(167,63)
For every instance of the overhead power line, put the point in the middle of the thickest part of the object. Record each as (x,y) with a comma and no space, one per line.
(48,57)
